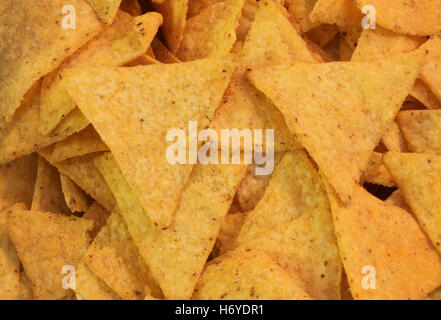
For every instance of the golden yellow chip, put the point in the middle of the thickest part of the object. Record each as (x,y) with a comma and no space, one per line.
(75,198)
(376,172)
(34,41)
(176,255)
(418,177)
(113,257)
(420,17)
(48,196)
(421,92)
(84,142)
(380,262)
(98,215)
(430,72)
(323,34)
(359,99)
(127,38)
(299,11)
(161,52)
(46,244)
(345,50)
(132,7)
(422,130)
(229,231)
(393,139)
(124,118)
(17,180)
(340,12)
(212,32)
(174,13)
(105,9)
(396,199)
(246,276)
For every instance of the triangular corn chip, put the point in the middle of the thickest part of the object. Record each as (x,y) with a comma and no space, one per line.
(105,9)
(340,133)
(174,13)
(125,117)
(48,196)
(418,176)
(76,199)
(385,253)
(246,276)
(376,172)
(176,256)
(393,139)
(272,40)
(17,180)
(423,94)
(113,257)
(34,40)
(212,32)
(396,199)
(323,34)
(430,72)
(421,17)
(299,11)
(45,244)
(229,231)
(98,215)
(84,142)
(162,54)
(127,38)
(132,7)
(340,12)
(421,130)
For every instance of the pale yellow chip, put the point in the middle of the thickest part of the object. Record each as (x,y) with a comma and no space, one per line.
(105,9)
(174,13)
(229,231)
(75,198)
(84,142)
(421,130)
(417,17)
(35,37)
(48,196)
(89,287)
(83,172)
(418,176)
(359,99)
(272,40)
(46,243)
(113,257)
(295,187)
(341,12)
(212,32)
(176,255)
(382,245)
(127,38)
(376,172)
(74,122)
(124,118)
(17,180)
(246,276)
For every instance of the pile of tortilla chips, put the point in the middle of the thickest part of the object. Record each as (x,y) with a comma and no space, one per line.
(94,92)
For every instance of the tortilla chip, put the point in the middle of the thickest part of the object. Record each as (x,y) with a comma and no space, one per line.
(393,138)
(82,171)
(75,198)
(380,43)
(174,13)
(396,199)
(124,119)
(132,7)
(212,32)
(370,233)
(422,17)
(323,34)
(229,231)
(430,72)
(176,256)
(299,11)
(306,248)
(17,180)
(294,188)
(272,40)
(346,51)
(98,215)
(144,60)
(121,42)
(351,34)
(162,54)
(365,98)
(113,257)
(74,122)
(422,130)
(48,196)
(105,9)
(46,243)
(246,276)
(84,142)
(90,287)
(376,172)
(421,92)
(418,177)
(341,12)
(33,42)
(21,136)
(196,6)
(332,49)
